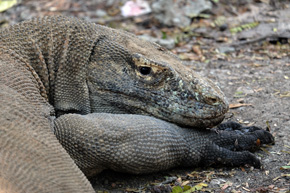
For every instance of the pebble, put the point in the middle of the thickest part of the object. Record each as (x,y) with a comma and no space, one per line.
(167,43)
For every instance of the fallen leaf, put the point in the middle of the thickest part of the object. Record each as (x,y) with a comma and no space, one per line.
(177,189)
(4,5)
(258,90)
(265,150)
(233,106)
(243,169)
(285,168)
(179,180)
(185,183)
(282,175)
(246,189)
(196,187)
(226,185)
(196,49)
(185,188)
(188,56)
(286,94)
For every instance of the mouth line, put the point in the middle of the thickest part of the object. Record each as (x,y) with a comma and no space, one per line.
(201,117)
(204,114)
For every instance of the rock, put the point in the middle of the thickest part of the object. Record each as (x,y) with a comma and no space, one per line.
(196,7)
(167,43)
(168,13)
(216,182)
(226,49)
(101,13)
(223,27)
(174,13)
(148,38)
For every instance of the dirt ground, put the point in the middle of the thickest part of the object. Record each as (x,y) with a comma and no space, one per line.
(253,73)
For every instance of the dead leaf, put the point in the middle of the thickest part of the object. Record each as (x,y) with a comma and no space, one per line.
(185,183)
(282,175)
(188,56)
(258,90)
(226,185)
(264,150)
(286,94)
(196,49)
(179,180)
(243,169)
(233,106)
(246,189)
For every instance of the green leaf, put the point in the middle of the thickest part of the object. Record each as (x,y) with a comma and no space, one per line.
(285,168)
(245,26)
(203,15)
(186,187)
(196,187)
(177,189)
(164,35)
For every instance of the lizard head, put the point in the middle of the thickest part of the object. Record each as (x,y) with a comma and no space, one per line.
(130,75)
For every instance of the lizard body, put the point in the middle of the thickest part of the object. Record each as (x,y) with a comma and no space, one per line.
(55,66)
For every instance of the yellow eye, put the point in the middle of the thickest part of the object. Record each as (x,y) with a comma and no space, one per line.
(144,70)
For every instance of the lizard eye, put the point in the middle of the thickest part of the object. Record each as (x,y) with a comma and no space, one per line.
(144,70)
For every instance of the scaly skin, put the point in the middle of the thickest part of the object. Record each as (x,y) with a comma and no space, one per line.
(86,68)
(55,66)
(109,141)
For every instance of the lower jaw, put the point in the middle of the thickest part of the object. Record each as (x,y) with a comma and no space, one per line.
(199,123)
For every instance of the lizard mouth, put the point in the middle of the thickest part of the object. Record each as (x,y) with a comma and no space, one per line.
(202,123)
(193,120)
(183,115)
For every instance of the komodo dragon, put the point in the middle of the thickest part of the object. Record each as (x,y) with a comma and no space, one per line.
(109,99)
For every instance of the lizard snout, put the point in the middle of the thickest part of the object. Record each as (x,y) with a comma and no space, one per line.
(211,100)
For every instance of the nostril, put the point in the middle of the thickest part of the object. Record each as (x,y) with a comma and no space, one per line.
(211,100)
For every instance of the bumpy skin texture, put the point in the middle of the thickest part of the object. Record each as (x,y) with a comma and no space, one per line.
(55,66)
(90,68)
(107,141)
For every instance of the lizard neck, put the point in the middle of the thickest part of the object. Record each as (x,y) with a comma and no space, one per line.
(58,55)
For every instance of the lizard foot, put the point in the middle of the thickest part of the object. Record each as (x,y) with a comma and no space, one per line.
(230,143)
(237,137)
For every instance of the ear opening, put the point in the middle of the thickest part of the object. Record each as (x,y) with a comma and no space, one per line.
(96,42)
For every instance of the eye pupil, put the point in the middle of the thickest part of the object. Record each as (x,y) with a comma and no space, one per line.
(145,70)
